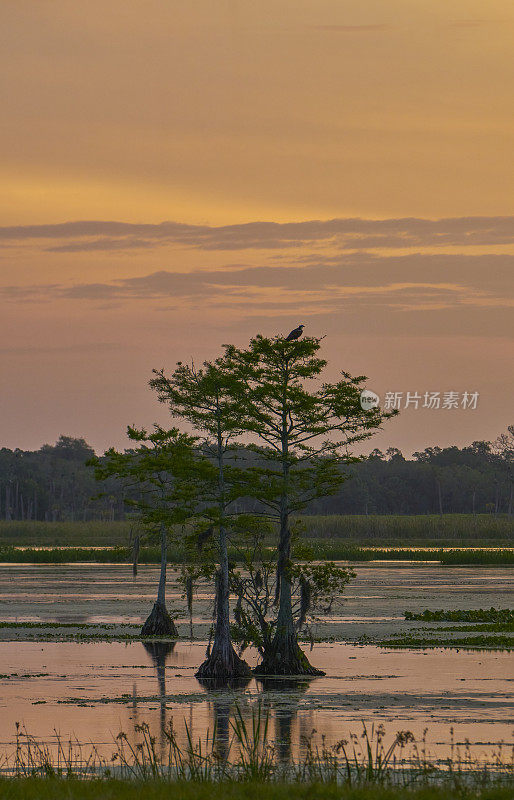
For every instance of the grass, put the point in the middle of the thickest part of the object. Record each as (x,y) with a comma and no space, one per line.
(41,789)
(464,530)
(64,534)
(321,550)
(339,551)
(74,555)
(370,765)
(464,615)
(467,643)
(429,530)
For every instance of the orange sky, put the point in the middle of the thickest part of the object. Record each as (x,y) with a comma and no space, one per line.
(372,142)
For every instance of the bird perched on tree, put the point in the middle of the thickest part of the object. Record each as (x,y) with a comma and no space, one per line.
(295,334)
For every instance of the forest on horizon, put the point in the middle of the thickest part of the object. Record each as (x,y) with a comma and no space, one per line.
(54,483)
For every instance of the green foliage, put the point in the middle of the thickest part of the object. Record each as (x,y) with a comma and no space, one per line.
(315,586)
(180,552)
(470,556)
(63,555)
(462,643)
(304,431)
(164,469)
(464,615)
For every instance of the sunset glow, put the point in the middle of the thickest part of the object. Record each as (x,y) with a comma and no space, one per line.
(179,175)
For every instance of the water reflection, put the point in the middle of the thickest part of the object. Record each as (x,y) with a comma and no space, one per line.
(159,652)
(282,696)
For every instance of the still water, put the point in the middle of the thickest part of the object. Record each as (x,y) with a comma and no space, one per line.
(94,690)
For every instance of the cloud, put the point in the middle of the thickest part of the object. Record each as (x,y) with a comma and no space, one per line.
(344,234)
(129,243)
(411,281)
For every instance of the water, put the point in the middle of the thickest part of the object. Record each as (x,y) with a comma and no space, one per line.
(96,689)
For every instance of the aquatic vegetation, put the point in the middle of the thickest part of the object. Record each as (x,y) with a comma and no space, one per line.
(244,752)
(464,615)
(321,550)
(429,530)
(467,643)
(64,534)
(486,627)
(355,529)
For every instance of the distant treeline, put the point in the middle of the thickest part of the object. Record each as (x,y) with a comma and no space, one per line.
(54,484)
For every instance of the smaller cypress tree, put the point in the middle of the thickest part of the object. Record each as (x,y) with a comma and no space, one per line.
(162,466)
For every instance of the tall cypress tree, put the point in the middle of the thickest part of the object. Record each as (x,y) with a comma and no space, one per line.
(306,429)
(208,398)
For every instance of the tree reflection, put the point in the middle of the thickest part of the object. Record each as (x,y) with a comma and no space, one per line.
(283,696)
(159,652)
(221,704)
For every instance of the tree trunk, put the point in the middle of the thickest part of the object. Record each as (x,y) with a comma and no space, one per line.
(284,656)
(135,554)
(8,516)
(159,623)
(223,667)
(440,497)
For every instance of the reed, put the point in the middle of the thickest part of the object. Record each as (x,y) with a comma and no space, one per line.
(247,755)
(428,530)
(492,614)
(321,550)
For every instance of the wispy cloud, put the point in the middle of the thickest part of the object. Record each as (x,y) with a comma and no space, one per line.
(344,234)
(400,282)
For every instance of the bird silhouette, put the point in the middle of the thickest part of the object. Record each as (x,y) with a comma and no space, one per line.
(295,334)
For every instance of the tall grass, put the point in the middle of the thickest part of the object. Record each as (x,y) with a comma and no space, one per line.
(373,530)
(320,549)
(113,789)
(247,755)
(72,555)
(501,615)
(339,551)
(65,534)
(430,530)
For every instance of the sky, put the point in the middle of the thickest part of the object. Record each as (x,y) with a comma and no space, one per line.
(175,176)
